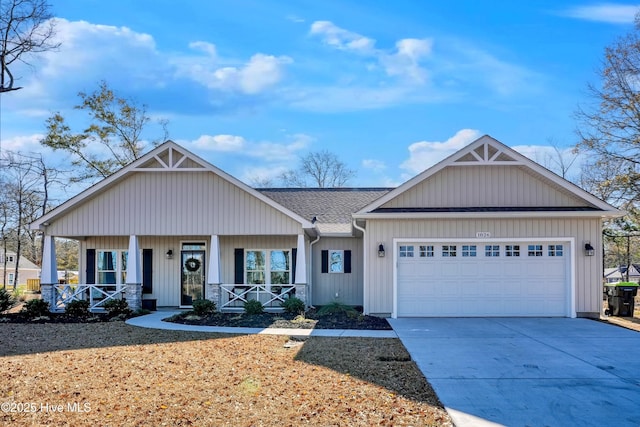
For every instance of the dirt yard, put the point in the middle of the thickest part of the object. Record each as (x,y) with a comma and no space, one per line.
(115,374)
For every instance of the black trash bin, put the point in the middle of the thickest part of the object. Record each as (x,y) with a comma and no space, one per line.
(621,298)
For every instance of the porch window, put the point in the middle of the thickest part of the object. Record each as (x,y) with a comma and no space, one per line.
(111,267)
(271,267)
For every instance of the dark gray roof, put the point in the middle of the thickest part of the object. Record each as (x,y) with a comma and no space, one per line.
(328,205)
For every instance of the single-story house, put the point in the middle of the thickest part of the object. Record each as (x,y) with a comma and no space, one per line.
(619,274)
(26,269)
(485,232)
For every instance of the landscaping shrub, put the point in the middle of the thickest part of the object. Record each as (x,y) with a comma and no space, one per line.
(204,307)
(6,300)
(253,307)
(117,307)
(293,305)
(77,308)
(337,308)
(35,308)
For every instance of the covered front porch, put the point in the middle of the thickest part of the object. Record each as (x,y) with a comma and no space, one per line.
(175,271)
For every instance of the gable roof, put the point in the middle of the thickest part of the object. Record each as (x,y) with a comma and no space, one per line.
(487,151)
(331,207)
(168,156)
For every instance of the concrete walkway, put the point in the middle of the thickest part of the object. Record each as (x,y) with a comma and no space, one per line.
(154,321)
(528,372)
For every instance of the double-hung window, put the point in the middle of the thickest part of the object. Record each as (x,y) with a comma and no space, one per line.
(268,267)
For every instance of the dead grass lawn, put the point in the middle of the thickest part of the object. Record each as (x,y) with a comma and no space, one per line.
(128,376)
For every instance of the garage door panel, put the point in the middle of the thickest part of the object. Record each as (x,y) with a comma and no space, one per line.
(484,285)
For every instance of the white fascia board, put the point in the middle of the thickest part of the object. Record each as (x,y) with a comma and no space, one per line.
(519,159)
(134,167)
(489,215)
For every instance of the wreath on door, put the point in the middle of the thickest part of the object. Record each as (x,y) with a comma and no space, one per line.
(192,264)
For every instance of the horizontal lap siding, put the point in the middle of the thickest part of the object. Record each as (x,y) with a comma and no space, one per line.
(483,186)
(380,270)
(173,203)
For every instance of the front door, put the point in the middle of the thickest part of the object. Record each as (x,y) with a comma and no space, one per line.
(192,276)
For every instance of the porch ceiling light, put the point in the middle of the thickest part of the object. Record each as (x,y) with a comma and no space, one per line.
(381,250)
(588,249)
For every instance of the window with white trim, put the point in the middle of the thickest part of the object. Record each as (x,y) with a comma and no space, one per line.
(512,250)
(426,251)
(268,267)
(336,261)
(492,250)
(469,250)
(111,267)
(556,250)
(406,251)
(449,250)
(534,250)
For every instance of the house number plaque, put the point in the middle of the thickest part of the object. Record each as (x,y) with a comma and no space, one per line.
(483,234)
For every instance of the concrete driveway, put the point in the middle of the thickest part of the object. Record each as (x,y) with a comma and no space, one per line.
(528,371)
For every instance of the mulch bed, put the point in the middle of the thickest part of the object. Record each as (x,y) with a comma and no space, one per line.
(311,320)
(114,374)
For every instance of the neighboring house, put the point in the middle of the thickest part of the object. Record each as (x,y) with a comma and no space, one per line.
(619,274)
(26,270)
(485,232)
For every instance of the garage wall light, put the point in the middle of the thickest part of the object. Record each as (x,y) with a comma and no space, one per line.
(381,250)
(169,254)
(588,249)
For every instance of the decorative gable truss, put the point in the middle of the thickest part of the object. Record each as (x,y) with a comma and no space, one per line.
(171,159)
(486,152)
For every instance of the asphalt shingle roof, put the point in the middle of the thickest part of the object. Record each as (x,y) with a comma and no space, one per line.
(332,207)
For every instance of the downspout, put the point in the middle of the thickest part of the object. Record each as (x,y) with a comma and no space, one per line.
(365,270)
(311,268)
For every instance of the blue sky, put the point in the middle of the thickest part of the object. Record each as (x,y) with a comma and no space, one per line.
(391,87)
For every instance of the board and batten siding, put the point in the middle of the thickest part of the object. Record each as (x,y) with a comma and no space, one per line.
(484,186)
(347,286)
(588,270)
(166,272)
(173,203)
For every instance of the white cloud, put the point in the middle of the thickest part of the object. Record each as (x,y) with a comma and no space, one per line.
(406,61)
(424,154)
(605,12)
(342,39)
(375,165)
(260,73)
(226,143)
(24,143)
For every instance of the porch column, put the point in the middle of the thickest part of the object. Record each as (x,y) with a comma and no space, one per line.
(213,275)
(300,280)
(133,280)
(49,273)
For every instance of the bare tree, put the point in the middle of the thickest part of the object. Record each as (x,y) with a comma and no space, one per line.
(609,128)
(322,168)
(26,28)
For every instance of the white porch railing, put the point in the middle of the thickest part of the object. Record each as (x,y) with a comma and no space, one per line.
(97,295)
(271,296)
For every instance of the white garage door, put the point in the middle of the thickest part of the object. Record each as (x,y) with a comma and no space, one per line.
(482,279)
